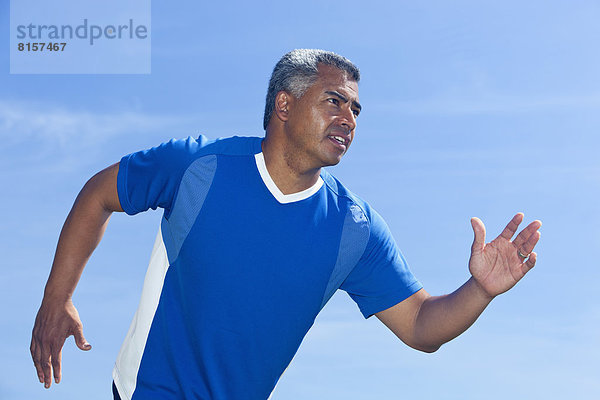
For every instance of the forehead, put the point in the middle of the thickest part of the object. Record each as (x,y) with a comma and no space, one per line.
(332,78)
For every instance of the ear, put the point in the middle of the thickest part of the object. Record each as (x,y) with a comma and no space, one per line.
(283,101)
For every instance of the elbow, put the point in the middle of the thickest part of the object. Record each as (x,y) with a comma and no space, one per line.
(431,349)
(426,348)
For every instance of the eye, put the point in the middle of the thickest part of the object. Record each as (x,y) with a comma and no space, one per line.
(355,112)
(333,100)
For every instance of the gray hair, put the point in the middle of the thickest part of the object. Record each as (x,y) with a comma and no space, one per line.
(298,70)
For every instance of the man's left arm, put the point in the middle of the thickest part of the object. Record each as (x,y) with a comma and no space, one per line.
(425,322)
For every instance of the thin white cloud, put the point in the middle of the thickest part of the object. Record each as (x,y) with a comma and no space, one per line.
(61,139)
(24,121)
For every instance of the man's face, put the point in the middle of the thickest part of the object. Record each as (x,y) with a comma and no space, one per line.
(321,123)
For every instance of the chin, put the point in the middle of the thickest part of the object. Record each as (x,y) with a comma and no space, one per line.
(331,162)
(330,158)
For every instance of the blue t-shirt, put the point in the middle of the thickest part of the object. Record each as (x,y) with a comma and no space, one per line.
(239,270)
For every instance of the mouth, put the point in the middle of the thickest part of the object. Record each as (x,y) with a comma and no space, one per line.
(340,141)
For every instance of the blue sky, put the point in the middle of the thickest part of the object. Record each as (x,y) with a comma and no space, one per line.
(470,109)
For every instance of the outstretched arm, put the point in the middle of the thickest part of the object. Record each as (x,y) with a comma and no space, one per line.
(57,317)
(426,322)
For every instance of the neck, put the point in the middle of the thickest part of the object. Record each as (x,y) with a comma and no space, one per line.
(286,169)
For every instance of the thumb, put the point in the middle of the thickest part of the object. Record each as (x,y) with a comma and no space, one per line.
(479,239)
(80,339)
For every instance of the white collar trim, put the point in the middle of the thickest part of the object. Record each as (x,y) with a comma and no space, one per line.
(279,196)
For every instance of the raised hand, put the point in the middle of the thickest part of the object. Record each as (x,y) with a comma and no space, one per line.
(497,266)
(55,322)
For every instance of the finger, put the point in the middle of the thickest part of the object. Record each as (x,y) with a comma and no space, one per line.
(80,339)
(479,235)
(56,358)
(35,355)
(528,246)
(530,263)
(56,361)
(46,367)
(526,233)
(512,226)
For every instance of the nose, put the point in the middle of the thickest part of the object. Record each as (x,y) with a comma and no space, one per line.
(348,119)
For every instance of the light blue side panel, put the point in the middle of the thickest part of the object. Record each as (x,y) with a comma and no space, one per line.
(355,236)
(192,192)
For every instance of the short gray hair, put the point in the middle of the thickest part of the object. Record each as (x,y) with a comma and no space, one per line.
(298,70)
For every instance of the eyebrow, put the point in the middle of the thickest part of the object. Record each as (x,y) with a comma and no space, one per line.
(344,99)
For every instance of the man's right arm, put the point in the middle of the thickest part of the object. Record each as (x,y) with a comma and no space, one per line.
(57,317)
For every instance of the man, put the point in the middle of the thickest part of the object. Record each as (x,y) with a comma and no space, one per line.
(255,239)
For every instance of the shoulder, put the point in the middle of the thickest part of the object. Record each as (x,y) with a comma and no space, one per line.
(178,154)
(355,204)
(359,212)
(234,146)
(172,158)
(197,147)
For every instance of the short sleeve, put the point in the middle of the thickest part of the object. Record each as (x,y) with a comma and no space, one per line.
(382,278)
(151,178)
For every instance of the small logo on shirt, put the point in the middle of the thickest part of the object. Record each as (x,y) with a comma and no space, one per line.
(357,214)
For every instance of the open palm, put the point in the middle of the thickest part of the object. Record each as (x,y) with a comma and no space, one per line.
(497,266)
